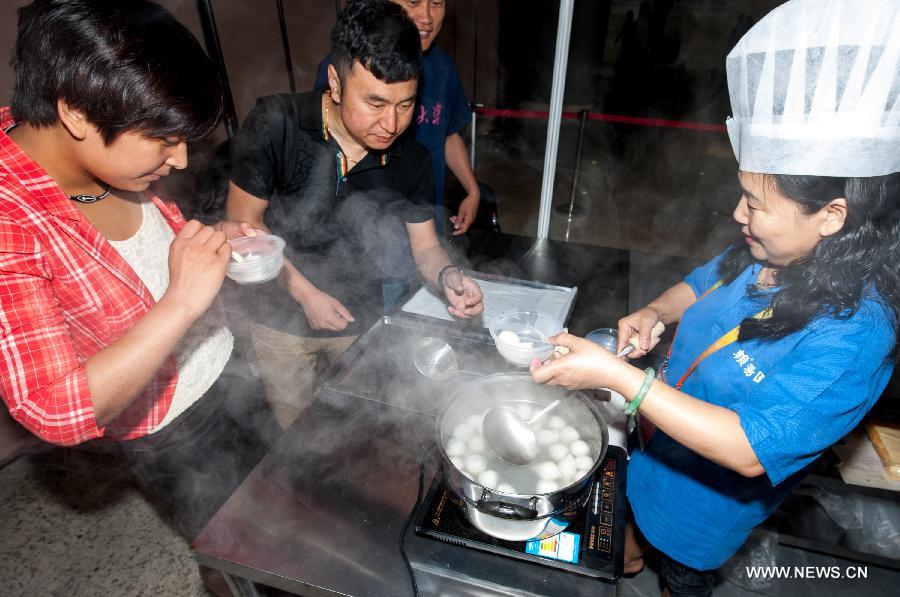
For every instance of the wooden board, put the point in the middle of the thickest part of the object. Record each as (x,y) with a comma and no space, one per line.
(885,438)
(860,464)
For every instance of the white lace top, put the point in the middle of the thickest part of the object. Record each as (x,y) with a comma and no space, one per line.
(206,347)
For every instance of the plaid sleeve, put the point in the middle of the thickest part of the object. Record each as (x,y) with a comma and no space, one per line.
(42,380)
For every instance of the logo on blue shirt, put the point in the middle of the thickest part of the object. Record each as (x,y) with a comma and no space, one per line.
(745,361)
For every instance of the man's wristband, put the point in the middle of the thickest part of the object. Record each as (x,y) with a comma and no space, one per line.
(635,403)
(440,276)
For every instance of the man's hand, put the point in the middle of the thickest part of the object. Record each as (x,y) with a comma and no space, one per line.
(468,209)
(463,294)
(233,229)
(323,311)
(457,159)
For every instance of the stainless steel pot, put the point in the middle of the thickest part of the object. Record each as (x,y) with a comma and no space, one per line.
(524,513)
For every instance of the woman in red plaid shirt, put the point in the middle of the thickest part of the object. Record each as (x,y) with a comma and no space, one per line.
(108,325)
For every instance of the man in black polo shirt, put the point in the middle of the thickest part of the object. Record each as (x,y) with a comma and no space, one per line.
(340,178)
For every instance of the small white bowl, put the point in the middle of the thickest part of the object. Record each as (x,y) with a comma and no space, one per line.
(521,335)
(259,258)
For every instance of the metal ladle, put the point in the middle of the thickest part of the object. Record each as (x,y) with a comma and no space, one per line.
(512,439)
(435,359)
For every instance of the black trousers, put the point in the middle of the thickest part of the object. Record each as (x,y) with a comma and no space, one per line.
(193,464)
(684,581)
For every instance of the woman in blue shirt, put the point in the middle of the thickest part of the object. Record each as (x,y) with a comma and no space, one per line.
(784,342)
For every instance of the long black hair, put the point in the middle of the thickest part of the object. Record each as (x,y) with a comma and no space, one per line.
(835,277)
(128,65)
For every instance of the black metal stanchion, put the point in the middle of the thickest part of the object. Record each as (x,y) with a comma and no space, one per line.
(214,49)
(286,46)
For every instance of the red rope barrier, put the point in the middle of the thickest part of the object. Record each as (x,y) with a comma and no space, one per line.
(616,118)
(526,114)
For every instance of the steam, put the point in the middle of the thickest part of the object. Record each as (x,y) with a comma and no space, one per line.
(640,189)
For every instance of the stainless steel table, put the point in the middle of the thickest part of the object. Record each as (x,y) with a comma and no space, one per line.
(322,513)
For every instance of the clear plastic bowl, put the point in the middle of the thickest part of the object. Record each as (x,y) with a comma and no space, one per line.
(261,258)
(531,330)
(606,337)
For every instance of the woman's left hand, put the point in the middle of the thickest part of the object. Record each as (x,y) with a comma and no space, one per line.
(234,229)
(587,365)
(463,293)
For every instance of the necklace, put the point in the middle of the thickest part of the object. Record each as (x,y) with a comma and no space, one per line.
(78,198)
(90,198)
(766,278)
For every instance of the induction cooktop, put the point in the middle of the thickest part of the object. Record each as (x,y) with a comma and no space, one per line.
(592,545)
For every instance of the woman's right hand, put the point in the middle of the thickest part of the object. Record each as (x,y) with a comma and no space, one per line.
(585,365)
(198,258)
(640,322)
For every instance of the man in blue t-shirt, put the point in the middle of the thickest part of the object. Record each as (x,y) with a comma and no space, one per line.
(442,111)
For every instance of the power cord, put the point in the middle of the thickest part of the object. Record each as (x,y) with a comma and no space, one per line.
(409,519)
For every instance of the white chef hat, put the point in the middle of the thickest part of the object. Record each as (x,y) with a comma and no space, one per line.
(814,90)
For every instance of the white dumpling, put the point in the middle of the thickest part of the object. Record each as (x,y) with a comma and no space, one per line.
(488,478)
(477,444)
(581,472)
(524,411)
(556,422)
(558,452)
(455,447)
(476,464)
(567,466)
(508,337)
(459,463)
(547,470)
(566,480)
(506,488)
(568,435)
(476,421)
(579,447)
(584,462)
(463,432)
(547,486)
(546,437)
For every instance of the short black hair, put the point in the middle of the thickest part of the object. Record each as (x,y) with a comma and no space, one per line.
(128,65)
(379,35)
